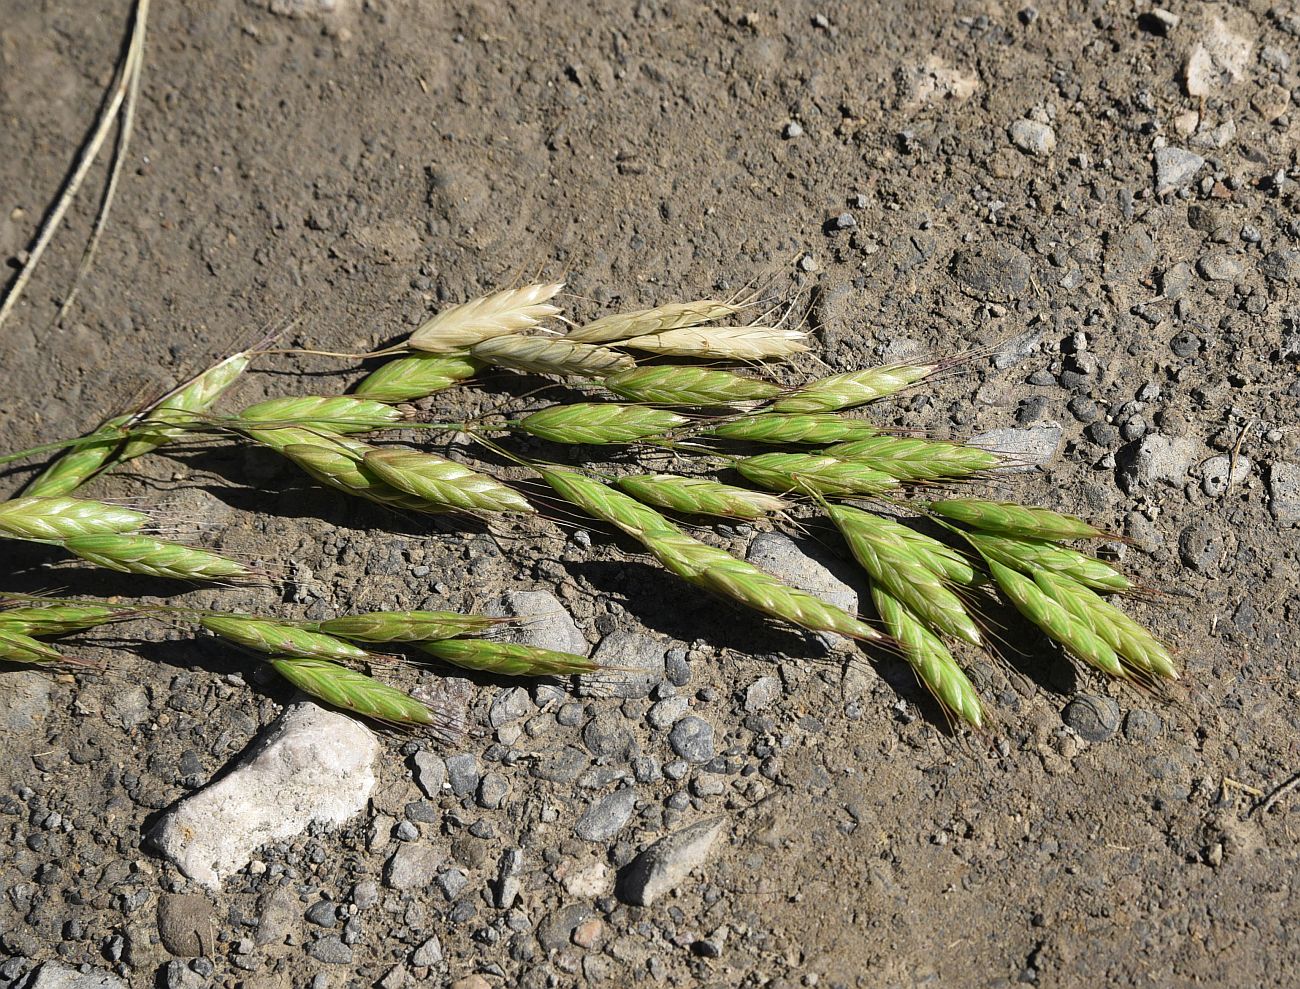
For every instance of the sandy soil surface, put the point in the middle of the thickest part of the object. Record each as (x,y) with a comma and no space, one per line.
(1103,197)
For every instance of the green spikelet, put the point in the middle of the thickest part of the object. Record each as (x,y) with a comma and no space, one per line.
(1006,518)
(352,691)
(153,557)
(1030,555)
(406,379)
(600,423)
(813,473)
(330,413)
(15,647)
(81,462)
(507,658)
(671,384)
(58,619)
(810,429)
(276,639)
(916,459)
(63,517)
(700,496)
(1137,647)
(443,482)
(843,391)
(183,406)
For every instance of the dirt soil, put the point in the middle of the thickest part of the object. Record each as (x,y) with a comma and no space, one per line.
(1101,196)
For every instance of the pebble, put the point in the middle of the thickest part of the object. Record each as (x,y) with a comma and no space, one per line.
(331,951)
(1142,726)
(1093,718)
(365,894)
(607,816)
(323,913)
(1175,169)
(1032,137)
(412,866)
(427,954)
(1026,449)
(1284,492)
(641,657)
(56,975)
(493,790)
(665,713)
(463,773)
(430,773)
(549,625)
(607,735)
(792,130)
(1155,458)
(556,929)
(692,739)
(128,707)
(310,767)
(1221,268)
(1201,546)
(185,924)
(993,271)
(509,705)
(1281,266)
(1215,473)
(279,915)
(665,865)
(26,700)
(588,881)
(762,693)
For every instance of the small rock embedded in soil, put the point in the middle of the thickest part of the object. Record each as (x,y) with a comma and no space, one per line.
(641,658)
(1093,718)
(412,866)
(311,766)
(663,866)
(1155,458)
(994,271)
(1026,449)
(1201,547)
(185,924)
(692,739)
(24,700)
(1175,169)
(55,975)
(1032,137)
(761,693)
(548,625)
(607,816)
(1284,492)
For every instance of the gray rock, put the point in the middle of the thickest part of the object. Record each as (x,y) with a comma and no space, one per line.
(561,765)
(1155,458)
(1093,718)
(1033,137)
(323,913)
(1142,726)
(1221,268)
(331,951)
(178,975)
(493,790)
(1281,266)
(310,767)
(642,659)
(1175,169)
(692,739)
(549,625)
(430,773)
(557,927)
(782,557)
(1213,221)
(761,693)
(607,735)
(665,713)
(128,707)
(992,271)
(1025,449)
(607,816)
(1176,280)
(185,924)
(1218,473)
(278,916)
(664,865)
(1284,492)
(509,705)
(412,866)
(463,773)
(24,700)
(427,954)
(365,894)
(1201,546)
(56,975)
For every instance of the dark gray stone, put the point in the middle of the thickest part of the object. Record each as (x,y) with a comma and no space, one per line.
(607,816)
(692,739)
(1093,718)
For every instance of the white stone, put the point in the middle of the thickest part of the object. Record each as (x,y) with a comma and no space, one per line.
(1033,138)
(1175,168)
(1024,449)
(54,975)
(312,766)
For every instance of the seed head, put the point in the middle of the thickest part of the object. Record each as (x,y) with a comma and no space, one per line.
(62,517)
(625,325)
(844,391)
(548,355)
(495,315)
(507,658)
(813,474)
(669,384)
(700,496)
(405,379)
(276,639)
(600,423)
(353,691)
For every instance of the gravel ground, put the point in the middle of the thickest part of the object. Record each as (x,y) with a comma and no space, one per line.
(1102,202)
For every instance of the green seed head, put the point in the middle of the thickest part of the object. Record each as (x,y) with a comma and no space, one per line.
(1005,518)
(844,391)
(183,406)
(63,517)
(811,429)
(334,413)
(625,325)
(406,379)
(813,473)
(80,462)
(443,482)
(341,466)
(276,639)
(1030,555)
(15,647)
(153,557)
(916,459)
(57,619)
(700,496)
(507,658)
(406,626)
(602,502)
(669,384)
(598,423)
(352,691)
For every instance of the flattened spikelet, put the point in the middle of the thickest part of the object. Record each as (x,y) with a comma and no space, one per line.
(153,557)
(625,325)
(183,406)
(340,467)
(700,496)
(844,391)
(939,557)
(737,343)
(15,647)
(406,626)
(548,355)
(276,639)
(813,473)
(352,691)
(670,384)
(332,413)
(444,482)
(891,565)
(510,311)
(1009,519)
(416,376)
(1078,639)
(507,658)
(602,502)
(1135,646)
(1030,555)
(59,518)
(80,463)
(930,658)
(916,459)
(811,429)
(58,619)
(601,423)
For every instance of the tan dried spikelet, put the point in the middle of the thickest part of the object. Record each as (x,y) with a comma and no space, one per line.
(674,315)
(734,343)
(495,315)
